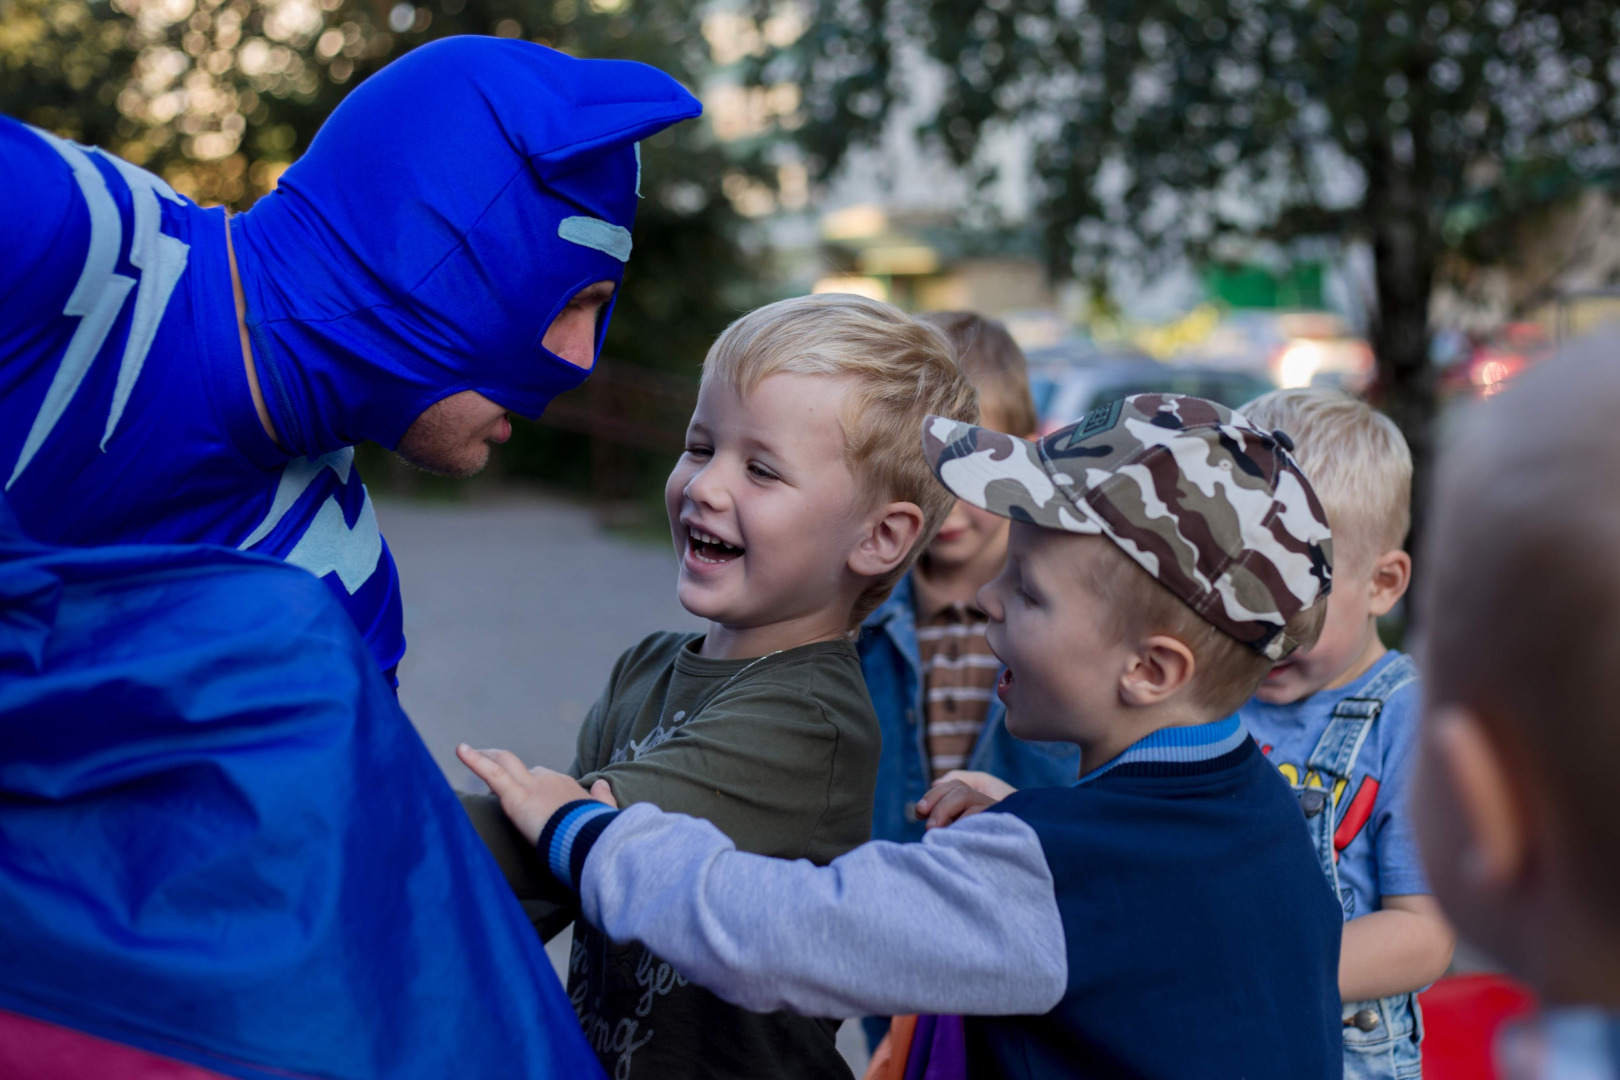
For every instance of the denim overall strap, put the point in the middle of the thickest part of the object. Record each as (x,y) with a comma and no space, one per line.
(1382,1037)
(1330,765)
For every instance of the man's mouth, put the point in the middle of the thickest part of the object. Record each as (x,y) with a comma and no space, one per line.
(1004,683)
(705,547)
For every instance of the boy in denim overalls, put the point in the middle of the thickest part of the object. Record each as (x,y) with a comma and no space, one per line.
(1339,721)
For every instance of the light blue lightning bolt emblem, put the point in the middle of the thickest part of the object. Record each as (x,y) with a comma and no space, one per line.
(328,544)
(97,298)
(161,259)
(99,294)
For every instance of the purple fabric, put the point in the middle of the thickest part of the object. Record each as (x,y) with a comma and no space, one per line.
(938,1049)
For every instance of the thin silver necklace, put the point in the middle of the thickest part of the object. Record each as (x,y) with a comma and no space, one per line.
(744,670)
(739,673)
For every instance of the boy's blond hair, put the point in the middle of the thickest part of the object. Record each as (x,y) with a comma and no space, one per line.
(1357,461)
(995,365)
(1227,672)
(901,369)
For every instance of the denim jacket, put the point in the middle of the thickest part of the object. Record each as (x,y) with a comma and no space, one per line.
(889,660)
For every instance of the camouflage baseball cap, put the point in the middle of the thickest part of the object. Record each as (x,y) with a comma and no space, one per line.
(1214,508)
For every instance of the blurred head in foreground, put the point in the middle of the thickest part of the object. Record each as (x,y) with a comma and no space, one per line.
(1521,603)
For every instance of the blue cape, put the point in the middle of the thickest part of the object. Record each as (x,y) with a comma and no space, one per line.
(445,213)
(222,842)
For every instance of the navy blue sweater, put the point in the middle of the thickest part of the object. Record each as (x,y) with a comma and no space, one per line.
(1199,936)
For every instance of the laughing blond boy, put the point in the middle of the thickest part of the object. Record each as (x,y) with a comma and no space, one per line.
(801,498)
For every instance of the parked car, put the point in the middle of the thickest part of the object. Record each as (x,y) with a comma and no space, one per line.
(1485,366)
(1065,392)
(1298,348)
(1079,350)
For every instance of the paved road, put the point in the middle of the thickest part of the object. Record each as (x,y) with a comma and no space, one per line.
(515,610)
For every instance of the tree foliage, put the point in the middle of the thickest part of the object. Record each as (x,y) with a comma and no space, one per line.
(1428,128)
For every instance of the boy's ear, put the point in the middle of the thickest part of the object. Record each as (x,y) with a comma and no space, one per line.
(1161,667)
(1496,849)
(1391,574)
(891,533)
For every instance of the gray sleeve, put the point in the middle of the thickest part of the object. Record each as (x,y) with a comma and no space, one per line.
(964,922)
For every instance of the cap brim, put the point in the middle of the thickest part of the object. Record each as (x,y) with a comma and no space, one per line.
(1002,474)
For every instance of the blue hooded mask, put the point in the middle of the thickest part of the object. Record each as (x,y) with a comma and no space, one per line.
(444,215)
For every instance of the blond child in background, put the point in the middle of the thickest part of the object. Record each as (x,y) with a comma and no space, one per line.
(923,653)
(1339,720)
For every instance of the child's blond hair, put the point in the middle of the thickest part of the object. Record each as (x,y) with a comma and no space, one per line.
(1357,461)
(995,365)
(901,369)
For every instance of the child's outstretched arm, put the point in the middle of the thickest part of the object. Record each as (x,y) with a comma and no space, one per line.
(965,922)
(528,796)
(1404,946)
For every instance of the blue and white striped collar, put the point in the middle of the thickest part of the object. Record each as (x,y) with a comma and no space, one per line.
(1199,742)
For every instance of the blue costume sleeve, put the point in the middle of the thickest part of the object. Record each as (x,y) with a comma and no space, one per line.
(43,229)
(224,844)
(36,180)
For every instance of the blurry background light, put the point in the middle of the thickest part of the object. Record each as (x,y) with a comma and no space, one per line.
(900,259)
(868,287)
(854,222)
(1297,364)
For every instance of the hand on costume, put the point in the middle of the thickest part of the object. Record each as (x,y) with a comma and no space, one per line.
(950,800)
(529,796)
(982,782)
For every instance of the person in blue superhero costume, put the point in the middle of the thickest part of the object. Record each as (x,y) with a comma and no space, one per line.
(447,250)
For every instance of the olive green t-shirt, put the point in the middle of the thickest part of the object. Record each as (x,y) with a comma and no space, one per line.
(781,753)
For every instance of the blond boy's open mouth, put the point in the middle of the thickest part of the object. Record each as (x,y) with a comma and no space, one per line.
(705,547)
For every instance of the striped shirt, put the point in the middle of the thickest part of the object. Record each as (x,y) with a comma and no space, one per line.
(959,675)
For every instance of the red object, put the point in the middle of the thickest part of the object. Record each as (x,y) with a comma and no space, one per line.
(1355,815)
(1461,1016)
(33,1050)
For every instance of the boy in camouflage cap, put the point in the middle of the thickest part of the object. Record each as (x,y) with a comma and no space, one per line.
(1162,917)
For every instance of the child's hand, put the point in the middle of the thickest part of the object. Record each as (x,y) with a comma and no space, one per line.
(982,782)
(950,800)
(529,796)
